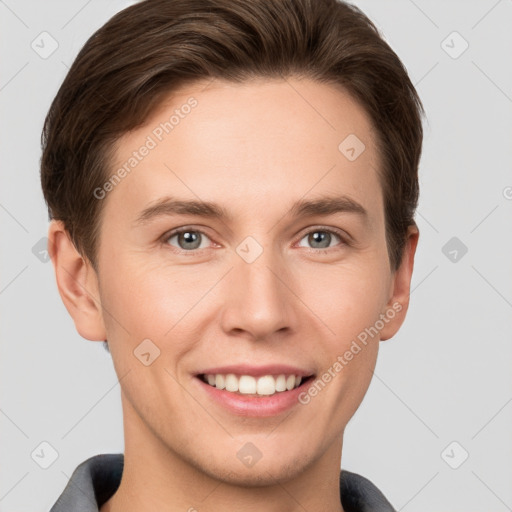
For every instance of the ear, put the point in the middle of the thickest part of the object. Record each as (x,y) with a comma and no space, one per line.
(77,283)
(397,306)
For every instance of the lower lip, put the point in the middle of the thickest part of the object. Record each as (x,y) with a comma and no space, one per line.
(264,406)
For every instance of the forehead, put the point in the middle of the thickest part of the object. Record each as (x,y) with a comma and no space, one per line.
(263,139)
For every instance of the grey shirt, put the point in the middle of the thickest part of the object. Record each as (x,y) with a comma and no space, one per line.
(96,479)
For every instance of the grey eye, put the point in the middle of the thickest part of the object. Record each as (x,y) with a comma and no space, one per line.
(188,239)
(320,238)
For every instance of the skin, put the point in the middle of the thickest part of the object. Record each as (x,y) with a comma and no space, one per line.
(253,148)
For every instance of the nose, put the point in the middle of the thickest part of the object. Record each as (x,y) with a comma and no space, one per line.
(259,301)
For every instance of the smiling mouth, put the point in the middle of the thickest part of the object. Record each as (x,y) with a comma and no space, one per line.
(265,385)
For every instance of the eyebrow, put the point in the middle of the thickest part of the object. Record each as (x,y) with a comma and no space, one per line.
(325,205)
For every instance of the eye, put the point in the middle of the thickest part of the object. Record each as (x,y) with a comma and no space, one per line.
(187,239)
(322,238)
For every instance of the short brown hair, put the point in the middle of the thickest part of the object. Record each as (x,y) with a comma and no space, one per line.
(149,49)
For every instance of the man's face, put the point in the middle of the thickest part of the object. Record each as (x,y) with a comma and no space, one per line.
(267,285)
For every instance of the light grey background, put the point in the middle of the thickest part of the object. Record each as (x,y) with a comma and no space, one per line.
(445,377)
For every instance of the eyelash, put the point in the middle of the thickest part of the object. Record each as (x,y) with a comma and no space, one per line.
(339,234)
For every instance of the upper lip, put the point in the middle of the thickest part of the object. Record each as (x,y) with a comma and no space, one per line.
(257,371)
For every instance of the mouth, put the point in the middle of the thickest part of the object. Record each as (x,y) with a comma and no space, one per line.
(255,386)
(262,391)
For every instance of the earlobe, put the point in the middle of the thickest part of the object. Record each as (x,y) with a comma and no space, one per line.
(398,303)
(77,283)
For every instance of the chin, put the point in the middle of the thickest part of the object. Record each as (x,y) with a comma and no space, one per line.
(261,474)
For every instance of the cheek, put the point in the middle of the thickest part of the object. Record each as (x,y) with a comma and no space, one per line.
(347,298)
(146,302)
(349,306)
(149,300)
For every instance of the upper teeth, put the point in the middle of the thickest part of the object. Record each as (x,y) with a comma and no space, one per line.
(247,384)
